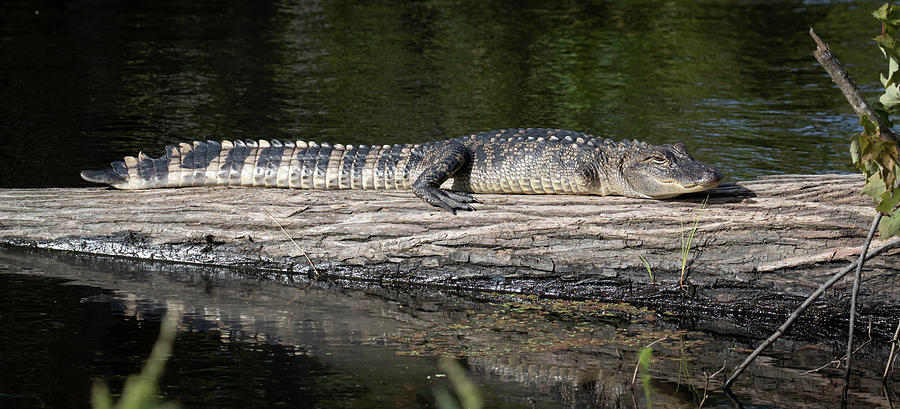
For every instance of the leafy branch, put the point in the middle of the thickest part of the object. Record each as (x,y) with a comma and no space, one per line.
(874,151)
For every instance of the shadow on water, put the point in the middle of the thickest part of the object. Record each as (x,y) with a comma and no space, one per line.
(71,319)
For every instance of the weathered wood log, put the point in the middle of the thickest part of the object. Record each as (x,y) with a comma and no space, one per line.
(758,244)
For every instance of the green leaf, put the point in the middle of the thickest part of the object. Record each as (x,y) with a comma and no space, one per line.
(882,13)
(870,168)
(889,47)
(891,97)
(865,147)
(868,125)
(884,115)
(892,77)
(885,154)
(893,72)
(888,14)
(874,187)
(890,225)
(888,202)
(854,149)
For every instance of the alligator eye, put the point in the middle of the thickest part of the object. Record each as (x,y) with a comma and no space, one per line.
(659,160)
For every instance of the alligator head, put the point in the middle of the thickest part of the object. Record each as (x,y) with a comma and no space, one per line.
(660,172)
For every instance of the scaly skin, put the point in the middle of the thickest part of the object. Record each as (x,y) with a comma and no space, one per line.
(518,161)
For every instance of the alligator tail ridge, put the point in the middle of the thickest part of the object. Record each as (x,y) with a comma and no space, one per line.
(298,165)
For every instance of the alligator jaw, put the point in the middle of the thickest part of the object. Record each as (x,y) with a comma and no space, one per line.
(676,189)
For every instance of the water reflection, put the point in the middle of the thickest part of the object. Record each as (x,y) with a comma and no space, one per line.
(363,345)
(239,345)
(90,82)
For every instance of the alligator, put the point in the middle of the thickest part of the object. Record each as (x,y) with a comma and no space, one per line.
(517,161)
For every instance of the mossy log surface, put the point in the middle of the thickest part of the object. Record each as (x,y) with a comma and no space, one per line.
(758,244)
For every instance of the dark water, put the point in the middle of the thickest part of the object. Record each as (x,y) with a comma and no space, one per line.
(254,340)
(86,82)
(250,340)
(83,83)
(67,322)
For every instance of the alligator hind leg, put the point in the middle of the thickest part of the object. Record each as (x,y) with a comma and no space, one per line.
(447,161)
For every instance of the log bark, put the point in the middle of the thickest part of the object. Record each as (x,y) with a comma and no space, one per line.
(759,245)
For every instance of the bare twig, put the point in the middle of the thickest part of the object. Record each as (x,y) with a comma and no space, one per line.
(806,304)
(837,362)
(314,269)
(638,364)
(856,279)
(887,396)
(706,386)
(894,342)
(842,79)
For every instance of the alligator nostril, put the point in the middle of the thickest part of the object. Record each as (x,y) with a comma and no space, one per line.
(710,177)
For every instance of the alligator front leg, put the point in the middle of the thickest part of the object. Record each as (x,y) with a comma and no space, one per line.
(444,165)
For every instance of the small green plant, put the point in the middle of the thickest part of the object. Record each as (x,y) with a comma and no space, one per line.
(643,365)
(647,266)
(141,391)
(466,390)
(687,241)
(684,372)
(644,358)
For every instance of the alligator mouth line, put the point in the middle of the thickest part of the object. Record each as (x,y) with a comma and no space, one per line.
(702,185)
(693,187)
(676,184)
(710,184)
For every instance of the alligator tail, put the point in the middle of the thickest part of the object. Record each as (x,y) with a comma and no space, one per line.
(300,165)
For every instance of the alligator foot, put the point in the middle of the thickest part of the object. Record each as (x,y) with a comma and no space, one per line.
(447,159)
(445,199)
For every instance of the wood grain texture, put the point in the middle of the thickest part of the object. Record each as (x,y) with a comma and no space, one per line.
(758,243)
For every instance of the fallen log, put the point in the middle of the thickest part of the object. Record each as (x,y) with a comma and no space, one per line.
(758,245)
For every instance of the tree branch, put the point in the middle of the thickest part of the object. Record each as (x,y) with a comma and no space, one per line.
(894,342)
(856,280)
(842,79)
(806,304)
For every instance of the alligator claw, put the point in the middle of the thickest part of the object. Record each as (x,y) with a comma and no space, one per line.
(453,201)
(445,199)
(464,197)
